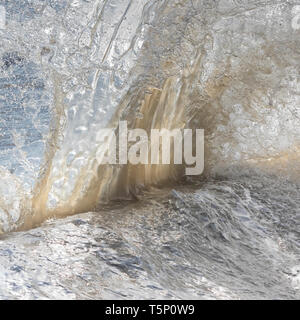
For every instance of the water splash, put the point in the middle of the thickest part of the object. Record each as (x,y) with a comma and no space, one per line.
(231,69)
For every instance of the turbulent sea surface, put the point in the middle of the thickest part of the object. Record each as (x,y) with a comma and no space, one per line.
(73,229)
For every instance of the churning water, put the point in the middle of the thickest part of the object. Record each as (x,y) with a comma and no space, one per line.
(72,67)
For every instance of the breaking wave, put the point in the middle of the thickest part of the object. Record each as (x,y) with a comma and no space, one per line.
(71,68)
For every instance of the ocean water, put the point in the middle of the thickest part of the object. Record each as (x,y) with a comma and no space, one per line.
(73,229)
